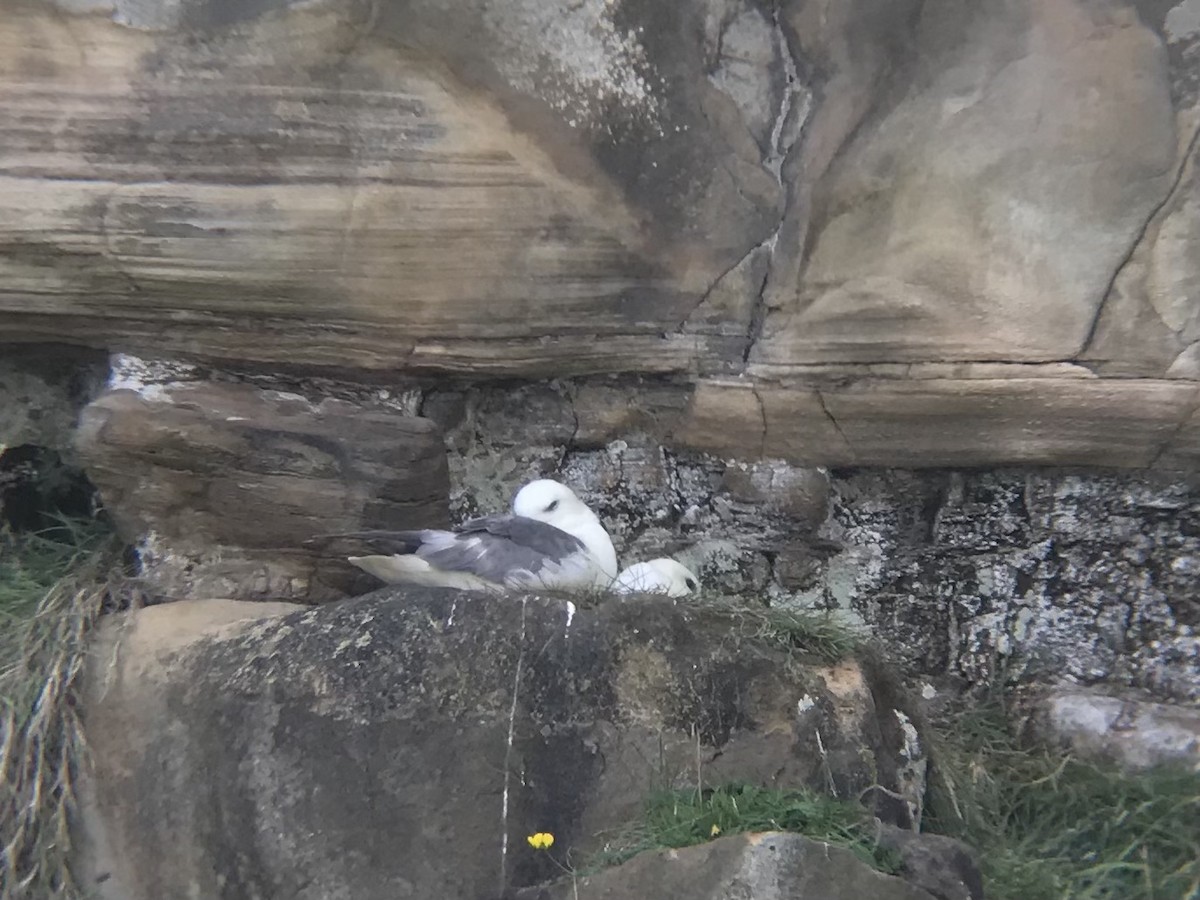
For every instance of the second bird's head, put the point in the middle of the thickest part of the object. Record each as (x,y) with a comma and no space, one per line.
(553,503)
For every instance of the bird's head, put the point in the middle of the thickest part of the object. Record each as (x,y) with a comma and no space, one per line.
(658,576)
(553,503)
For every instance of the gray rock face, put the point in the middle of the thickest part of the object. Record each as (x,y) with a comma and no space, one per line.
(887,234)
(219,484)
(1025,576)
(768,866)
(405,743)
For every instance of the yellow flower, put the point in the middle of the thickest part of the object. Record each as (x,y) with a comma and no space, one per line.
(716,829)
(541,841)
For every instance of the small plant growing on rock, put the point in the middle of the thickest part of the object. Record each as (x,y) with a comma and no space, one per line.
(682,818)
(543,841)
(819,633)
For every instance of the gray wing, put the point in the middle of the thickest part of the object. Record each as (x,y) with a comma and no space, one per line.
(505,549)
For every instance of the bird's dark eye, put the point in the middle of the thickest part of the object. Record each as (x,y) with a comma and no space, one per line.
(691,584)
(552,507)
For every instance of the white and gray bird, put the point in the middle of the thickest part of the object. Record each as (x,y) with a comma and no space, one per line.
(657,576)
(550,540)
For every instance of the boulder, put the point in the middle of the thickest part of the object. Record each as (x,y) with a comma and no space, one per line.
(766,866)
(218,485)
(1128,728)
(948,869)
(406,742)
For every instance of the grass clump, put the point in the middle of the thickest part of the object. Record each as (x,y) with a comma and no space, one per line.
(820,633)
(1054,827)
(682,818)
(53,586)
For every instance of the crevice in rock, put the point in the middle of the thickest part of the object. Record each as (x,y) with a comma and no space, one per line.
(779,146)
(777,153)
(1167,444)
(716,282)
(512,727)
(834,422)
(1176,182)
(758,313)
(762,412)
(569,390)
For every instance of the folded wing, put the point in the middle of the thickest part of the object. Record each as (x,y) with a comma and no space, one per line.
(501,551)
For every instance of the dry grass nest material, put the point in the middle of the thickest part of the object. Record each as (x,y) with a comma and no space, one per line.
(53,587)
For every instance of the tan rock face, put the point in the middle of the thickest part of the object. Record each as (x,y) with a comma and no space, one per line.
(948,421)
(296,188)
(848,210)
(982,212)
(219,484)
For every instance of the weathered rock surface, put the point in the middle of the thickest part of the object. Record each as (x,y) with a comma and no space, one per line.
(219,484)
(987,416)
(1132,730)
(406,742)
(1025,574)
(982,211)
(351,184)
(767,866)
(883,234)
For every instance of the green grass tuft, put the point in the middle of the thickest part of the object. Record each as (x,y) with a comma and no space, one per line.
(683,818)
(817,633)
(821,633)
(1052,827)
(53,587)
